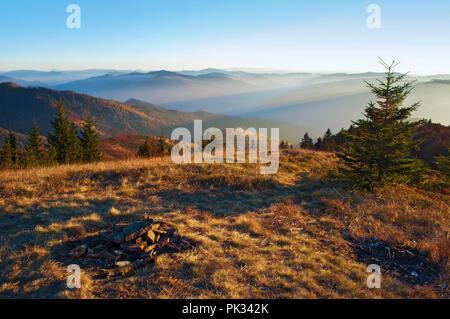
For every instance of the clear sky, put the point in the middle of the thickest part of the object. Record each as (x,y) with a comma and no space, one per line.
(297,35)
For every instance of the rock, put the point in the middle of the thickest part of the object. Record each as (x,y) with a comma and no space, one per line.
(118,238)
(134,227)
(122,263)
(106,235)
(138,240)
(79,251)
(147,255)
(150,248)
(158,231)
(170,231)
(107,255)
(139,247)
(136,230)
(120,226)
(163,242)
(156,226)
(150,235)
(91,254)
(99,247)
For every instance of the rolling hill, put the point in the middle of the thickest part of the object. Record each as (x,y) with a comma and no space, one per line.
(334,105)
(19,106)
(303,99)
(159,87)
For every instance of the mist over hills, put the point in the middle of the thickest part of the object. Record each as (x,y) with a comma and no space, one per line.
(47,78)
(335,104)
(315,100)
(19,106)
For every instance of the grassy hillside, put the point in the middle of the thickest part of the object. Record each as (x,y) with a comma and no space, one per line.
(291,235)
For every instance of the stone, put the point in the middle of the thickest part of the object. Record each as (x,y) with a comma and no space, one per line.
(170,231)
(136,230)
(120,226)
(150,235)
(107,255)
(79,251)
(147,255)
(99,247)
(150,248)
(156,226)
(139,247)
(118,238)
(163,242)
(134,227)
(122,263)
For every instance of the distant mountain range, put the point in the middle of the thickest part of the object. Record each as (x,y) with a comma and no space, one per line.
(334,104)
(19,106)
(320,101)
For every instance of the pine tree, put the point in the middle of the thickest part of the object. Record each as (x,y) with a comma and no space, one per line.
(12,139)
(319,144)
(9,150)
(327,142)
(443,164)
(58,139)
(145,150)
(306,141)
(35,147)
(64,138)
(90,143)
(377,149)
(74,145)
(162,145)
(51,156)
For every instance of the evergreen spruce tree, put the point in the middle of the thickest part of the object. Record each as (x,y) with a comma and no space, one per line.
(90,143)
(59,138)
(319,144)
(327,142)
(64,138)
(51,156)
(443,164)
(161,145)
(74,145)
(7,154)
(306,141)
(12,140)
(35,148)
(377,149)
(145,150)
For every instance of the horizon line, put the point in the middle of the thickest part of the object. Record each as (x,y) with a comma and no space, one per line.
(233,69)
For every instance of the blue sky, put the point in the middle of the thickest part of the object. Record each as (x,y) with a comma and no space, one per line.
(193,34)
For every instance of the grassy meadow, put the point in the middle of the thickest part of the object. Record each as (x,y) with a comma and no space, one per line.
(295,234)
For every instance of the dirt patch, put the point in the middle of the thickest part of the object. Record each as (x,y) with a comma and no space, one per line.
(411,266)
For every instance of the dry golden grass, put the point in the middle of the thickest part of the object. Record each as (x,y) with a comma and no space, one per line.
(258,236)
